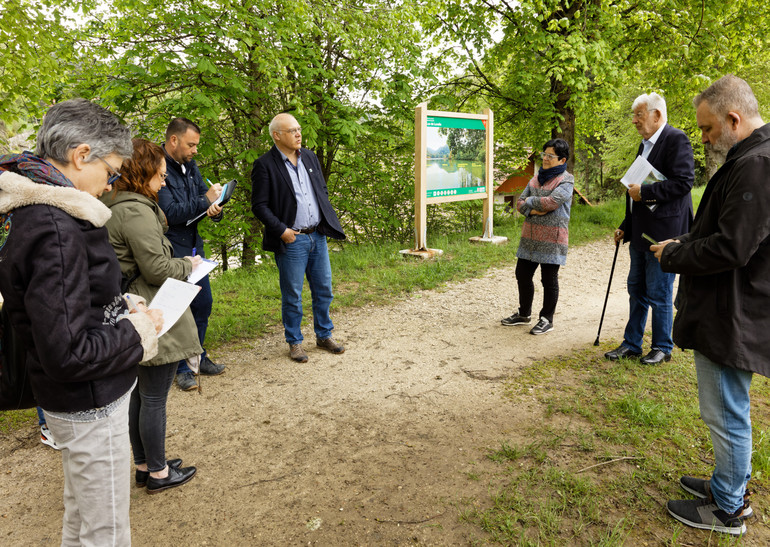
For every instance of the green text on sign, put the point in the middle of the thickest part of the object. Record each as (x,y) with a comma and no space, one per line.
(462,123)
(456,191)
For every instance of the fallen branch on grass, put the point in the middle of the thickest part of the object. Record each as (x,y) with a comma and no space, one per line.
(610,461)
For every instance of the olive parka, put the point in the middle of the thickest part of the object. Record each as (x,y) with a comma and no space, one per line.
(136,229)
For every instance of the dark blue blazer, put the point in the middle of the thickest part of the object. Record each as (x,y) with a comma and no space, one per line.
(672,156)
(273,201)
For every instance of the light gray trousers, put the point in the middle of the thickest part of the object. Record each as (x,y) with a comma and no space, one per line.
(97,479)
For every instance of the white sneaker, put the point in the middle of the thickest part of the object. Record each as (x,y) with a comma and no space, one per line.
(47,438)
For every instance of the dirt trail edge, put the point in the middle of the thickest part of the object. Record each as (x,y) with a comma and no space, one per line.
(371,447)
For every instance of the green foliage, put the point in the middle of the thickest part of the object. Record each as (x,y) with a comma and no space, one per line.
(232,66)
(35,58)
(572,69)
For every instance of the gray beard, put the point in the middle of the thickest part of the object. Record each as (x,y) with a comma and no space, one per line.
(716,155)
(719,149)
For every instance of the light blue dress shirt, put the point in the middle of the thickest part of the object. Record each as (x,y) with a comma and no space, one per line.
(308,213)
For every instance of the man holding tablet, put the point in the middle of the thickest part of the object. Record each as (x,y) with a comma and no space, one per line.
(185,197)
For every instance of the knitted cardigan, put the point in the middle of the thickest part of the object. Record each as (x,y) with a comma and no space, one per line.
(544,238)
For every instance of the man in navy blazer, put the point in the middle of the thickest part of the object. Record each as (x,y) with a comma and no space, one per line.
(290,198)
(661,210)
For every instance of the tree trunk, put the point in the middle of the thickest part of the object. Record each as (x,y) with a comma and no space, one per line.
(223,253)
(566,121)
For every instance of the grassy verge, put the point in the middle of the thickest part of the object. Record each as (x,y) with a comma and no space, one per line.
(608,451)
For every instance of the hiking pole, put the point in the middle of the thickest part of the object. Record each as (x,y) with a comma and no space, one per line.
(609,284)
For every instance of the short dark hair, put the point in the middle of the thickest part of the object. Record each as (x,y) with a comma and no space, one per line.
(560,146)
(179,126)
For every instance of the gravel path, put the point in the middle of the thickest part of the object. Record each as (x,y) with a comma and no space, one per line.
(370,447)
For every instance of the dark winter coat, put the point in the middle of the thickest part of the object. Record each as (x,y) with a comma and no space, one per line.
(724,262)
(61,284)
(182,199)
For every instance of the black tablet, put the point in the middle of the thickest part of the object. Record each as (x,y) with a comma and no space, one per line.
(228,190)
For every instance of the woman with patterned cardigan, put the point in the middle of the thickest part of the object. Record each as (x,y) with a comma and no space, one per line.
(545,204)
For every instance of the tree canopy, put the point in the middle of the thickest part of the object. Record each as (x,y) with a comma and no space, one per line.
(352,72)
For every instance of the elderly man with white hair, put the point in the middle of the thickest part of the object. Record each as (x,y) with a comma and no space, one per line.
(660,210)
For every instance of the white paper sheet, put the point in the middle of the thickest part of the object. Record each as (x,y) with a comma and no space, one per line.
(641,172)
(216,202)
(173,299)
(201,270)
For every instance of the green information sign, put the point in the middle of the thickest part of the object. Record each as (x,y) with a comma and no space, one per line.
(455,191)
(455,156)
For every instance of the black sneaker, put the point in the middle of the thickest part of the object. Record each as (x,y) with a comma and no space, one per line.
(516,319)
(543,326)
(706,515)
(701,488)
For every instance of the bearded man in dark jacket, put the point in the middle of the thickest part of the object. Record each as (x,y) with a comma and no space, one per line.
(724,295)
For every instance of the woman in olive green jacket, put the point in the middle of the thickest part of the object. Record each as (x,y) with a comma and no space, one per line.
(136,231)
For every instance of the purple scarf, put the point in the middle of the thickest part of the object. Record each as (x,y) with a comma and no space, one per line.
(34,168)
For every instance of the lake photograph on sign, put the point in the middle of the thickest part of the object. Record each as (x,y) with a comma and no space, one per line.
(456,156)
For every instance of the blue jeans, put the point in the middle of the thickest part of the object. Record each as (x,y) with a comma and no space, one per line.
(201,309)
(723,396)
(649,286)
(307,256)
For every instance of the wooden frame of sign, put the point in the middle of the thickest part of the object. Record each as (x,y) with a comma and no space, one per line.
(463,182)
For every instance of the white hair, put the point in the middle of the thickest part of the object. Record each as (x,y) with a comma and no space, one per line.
(273,127)
(653,101)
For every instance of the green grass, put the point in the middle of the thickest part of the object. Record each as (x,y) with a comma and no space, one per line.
(640,424)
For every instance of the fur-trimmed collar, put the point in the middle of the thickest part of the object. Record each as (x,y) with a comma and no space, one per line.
(18,191)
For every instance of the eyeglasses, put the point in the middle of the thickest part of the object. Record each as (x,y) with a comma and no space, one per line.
(294,131)
(114,174)
(642,114)
(546,155)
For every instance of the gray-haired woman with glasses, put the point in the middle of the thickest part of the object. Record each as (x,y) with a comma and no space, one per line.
(61,284)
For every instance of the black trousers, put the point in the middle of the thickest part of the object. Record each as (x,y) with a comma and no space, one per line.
(147,415)
(549,275)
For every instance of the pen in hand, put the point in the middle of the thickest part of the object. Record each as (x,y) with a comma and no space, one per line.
(130,302)
(194,251)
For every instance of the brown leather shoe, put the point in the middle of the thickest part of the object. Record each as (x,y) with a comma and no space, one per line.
(330,345)
(297,353)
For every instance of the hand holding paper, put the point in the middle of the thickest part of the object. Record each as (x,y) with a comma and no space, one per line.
(173,299)
(201,270)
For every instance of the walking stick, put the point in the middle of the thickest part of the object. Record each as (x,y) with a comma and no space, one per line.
(609,284)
